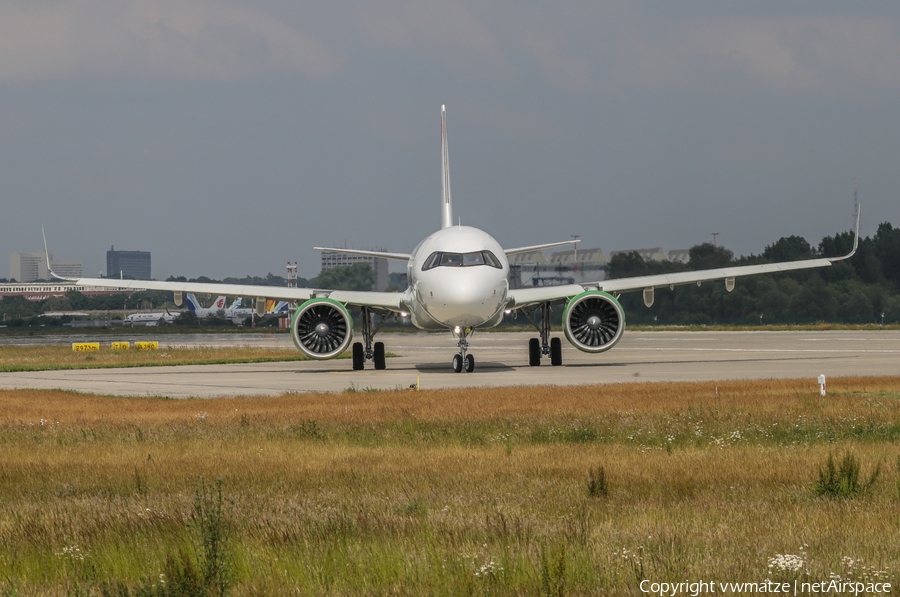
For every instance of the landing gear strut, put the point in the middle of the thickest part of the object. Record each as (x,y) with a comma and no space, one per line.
(462,361)
(372,351)
(545,345)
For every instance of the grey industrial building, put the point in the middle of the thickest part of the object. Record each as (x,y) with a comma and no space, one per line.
(28,267)
(129,265)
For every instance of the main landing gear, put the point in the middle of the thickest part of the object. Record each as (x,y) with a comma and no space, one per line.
(545,345)
(462,361)
(371,351)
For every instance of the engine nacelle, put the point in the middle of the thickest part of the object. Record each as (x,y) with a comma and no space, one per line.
(322,328)
(594,321)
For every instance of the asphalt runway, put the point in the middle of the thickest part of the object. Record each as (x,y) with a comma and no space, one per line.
(501,360)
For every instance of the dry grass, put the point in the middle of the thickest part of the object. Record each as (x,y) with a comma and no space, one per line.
(448,492)
(41,358)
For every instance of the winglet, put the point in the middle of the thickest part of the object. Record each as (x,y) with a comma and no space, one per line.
(855,239)
(47,255)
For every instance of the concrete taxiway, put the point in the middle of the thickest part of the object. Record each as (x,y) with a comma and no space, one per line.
(501,360)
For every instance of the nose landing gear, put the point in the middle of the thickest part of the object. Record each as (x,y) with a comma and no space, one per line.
(462,361)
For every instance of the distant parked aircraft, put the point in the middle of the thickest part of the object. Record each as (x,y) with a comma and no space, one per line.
(149,319)
(234,312)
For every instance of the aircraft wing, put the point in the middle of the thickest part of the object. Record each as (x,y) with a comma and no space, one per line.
(523,297)
(391,301)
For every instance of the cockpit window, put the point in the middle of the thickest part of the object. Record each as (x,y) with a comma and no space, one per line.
(442,259)
(451,259)
(473,258)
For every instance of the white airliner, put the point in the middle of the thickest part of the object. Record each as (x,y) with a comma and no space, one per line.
(149,319)
(459,281)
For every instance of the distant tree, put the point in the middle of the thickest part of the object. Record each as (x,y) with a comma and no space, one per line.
(814,302)
(358,276)
(627,265)
(708,256)
(891,310)
(788,248)
(187,318)
(56,303)
(397,281)
(18,307)
(887,248)
(856,307)
(78,300)
(837,245)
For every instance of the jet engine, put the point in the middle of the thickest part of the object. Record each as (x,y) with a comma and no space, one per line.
(322,328)
(593,321)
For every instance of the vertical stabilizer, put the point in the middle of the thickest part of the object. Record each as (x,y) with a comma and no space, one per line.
(446,203)
(193,304)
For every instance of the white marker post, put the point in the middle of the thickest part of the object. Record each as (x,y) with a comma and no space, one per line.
(822,385)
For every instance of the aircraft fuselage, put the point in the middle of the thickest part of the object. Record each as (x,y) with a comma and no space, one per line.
(458,277)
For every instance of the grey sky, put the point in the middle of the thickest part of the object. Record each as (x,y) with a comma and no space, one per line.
(228,137)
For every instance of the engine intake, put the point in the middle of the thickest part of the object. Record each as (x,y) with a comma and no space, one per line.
(594,321)
(322,328)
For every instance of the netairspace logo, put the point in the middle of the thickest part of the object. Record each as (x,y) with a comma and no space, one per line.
(829,587)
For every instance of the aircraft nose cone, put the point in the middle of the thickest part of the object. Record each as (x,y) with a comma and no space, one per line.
(593,322)
(322,329)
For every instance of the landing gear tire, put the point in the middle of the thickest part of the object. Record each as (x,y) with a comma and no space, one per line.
(555,352)
(470,363)
(458,363)
(359,357)
(378,357)
(534,352)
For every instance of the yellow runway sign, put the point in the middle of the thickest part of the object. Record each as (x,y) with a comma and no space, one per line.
(85,346)
(121,345)
(146,345)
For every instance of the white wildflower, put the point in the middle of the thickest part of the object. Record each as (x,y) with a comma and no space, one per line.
(786,562)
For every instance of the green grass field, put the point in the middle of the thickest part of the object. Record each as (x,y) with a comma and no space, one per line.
(493,491)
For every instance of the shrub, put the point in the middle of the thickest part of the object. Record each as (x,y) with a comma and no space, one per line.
(210,518)
(843,481)
(597,486)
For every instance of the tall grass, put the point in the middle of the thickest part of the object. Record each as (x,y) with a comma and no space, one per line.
(414,493)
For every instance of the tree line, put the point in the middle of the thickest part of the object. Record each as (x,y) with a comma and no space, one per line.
(863,289)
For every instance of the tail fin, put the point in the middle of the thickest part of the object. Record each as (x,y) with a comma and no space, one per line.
(193,303)
(446,204)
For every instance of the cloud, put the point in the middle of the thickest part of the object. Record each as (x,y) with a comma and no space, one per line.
(564,68)
(837,55)
(446,31)
(189,39)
